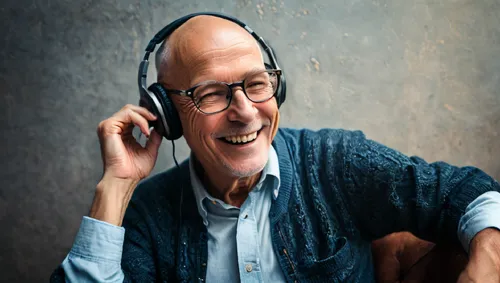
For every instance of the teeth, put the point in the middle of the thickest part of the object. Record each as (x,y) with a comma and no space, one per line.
(242,139)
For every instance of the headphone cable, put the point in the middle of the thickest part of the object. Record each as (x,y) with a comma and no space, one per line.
(177,252)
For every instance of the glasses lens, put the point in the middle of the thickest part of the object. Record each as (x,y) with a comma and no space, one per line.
(211,97)
(261,86)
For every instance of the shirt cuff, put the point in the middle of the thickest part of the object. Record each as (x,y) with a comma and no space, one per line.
(482,213)
(99,241)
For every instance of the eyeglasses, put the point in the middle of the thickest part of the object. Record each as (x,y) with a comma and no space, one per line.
(212,97)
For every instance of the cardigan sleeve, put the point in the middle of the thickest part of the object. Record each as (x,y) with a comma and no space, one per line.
(387,191)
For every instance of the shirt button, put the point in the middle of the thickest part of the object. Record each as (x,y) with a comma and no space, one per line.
(248,267)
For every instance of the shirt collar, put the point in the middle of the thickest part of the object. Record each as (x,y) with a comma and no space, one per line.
(270,169)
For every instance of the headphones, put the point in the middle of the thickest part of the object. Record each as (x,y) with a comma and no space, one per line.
(155,98)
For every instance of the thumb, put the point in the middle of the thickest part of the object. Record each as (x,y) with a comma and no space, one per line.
(464,277)
(153,143)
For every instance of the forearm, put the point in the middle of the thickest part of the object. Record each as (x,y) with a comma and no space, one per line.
(484,259)
(111,200)
(487,240)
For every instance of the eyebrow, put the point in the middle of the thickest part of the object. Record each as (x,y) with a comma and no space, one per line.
(253,71)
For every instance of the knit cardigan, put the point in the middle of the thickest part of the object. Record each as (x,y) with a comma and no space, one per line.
(338,192)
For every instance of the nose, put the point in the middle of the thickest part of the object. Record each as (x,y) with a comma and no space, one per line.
(241,108)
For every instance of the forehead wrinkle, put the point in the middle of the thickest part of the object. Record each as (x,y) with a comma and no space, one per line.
(219,72)
(219,52)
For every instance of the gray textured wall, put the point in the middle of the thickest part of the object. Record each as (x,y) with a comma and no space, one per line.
(420,76)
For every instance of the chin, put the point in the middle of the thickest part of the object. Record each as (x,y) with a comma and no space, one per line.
(246,168)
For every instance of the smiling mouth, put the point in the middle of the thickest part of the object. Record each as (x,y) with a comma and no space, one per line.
(241,139)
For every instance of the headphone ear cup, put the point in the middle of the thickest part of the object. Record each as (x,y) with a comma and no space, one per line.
(281,95)
(173,128)
(281,92)
(147,102)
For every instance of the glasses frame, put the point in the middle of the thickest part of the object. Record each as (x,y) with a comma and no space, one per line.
(189,92)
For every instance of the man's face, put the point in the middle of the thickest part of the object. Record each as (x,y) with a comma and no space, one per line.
(224,53)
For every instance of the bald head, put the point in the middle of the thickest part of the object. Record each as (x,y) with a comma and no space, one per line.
(202,43)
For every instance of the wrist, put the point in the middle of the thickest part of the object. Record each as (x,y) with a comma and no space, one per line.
(111,199)
(487,241)
(116,185)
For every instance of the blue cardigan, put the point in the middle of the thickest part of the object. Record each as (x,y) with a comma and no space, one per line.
(338,192)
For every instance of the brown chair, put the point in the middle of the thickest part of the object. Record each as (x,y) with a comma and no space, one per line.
(402,257)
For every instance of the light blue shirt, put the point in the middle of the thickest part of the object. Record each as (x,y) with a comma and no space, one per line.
(482,213)
(239,244)
(239,239)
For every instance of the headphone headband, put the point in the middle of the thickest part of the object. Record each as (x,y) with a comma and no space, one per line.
(170,28)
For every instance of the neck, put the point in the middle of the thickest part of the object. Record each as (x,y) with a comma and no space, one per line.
(232,190)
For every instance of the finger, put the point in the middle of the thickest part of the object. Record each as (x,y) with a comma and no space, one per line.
(141,110)
(463,278)
(153,143)
(140,122)
(128,117)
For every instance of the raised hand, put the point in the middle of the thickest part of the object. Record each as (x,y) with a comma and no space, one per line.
(125,161)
